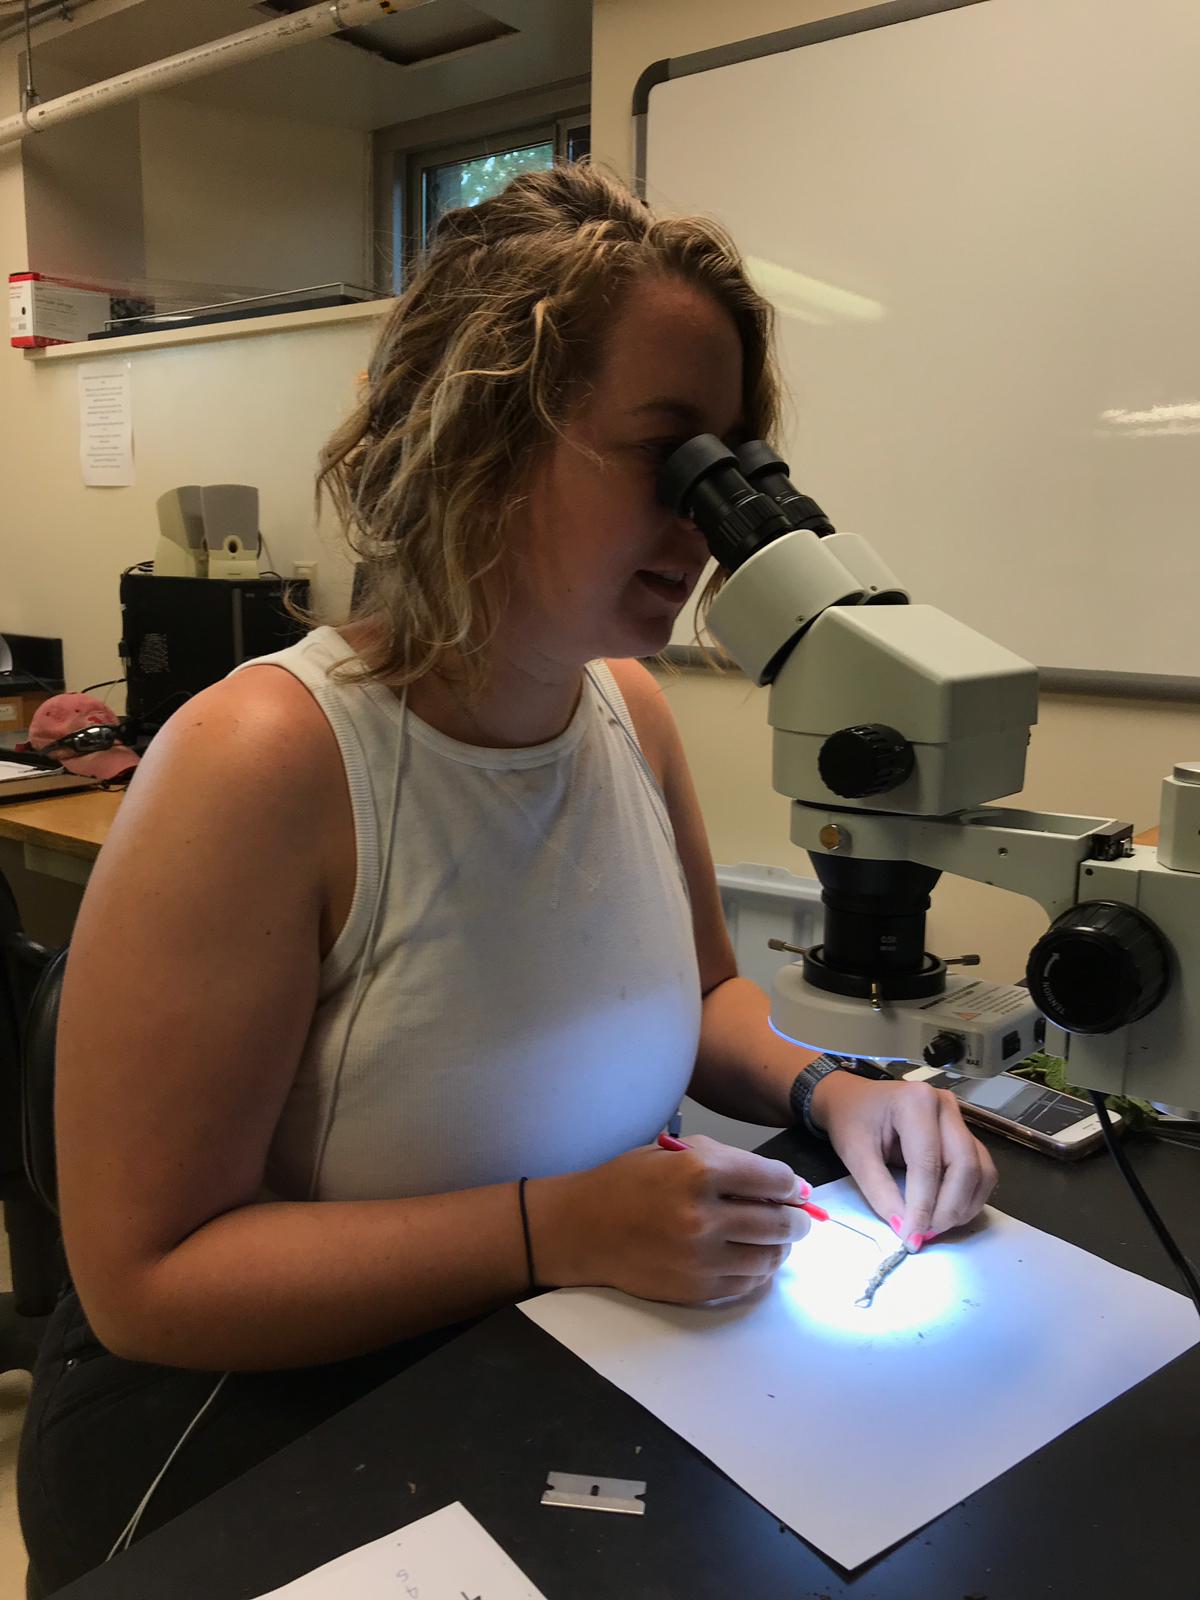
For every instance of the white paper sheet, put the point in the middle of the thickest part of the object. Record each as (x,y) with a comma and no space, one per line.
(445,1556)
(10,771)
(106,425)
(856,1426)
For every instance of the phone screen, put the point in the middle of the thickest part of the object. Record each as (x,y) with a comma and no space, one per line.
(1027,1103)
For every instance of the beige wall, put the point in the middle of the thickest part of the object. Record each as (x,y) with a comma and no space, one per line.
(253,410)
(233,197)
(1089,756)
(84,193)
(168,188)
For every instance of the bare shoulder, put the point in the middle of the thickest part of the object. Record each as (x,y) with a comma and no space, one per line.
(249,766)
(652,716)
(261,728)
(262,702)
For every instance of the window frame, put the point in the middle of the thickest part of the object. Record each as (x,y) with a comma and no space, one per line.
(402,154)
(421,163)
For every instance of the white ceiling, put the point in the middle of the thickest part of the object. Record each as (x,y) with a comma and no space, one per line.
(328,80)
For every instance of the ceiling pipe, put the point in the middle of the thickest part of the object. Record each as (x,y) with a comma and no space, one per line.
(297,27)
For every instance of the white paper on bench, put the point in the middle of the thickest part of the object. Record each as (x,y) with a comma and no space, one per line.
(445,1556)
(856,1426)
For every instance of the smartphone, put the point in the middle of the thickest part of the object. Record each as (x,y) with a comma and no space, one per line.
(1060,1124)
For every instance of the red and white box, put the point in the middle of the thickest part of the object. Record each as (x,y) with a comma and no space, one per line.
(43,310)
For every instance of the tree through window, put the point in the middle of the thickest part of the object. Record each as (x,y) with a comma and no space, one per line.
(466,183)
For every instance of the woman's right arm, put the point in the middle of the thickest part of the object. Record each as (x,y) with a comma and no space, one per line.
(189,992)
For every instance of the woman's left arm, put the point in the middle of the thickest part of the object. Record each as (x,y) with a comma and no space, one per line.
(744,1069)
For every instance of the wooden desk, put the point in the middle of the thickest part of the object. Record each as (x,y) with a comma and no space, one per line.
(61,836)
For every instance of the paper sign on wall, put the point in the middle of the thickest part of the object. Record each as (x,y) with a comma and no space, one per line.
(106,425)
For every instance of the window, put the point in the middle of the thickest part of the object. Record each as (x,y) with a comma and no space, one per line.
(467,182)
(434,179)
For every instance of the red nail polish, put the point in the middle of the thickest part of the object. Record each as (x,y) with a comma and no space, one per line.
(667,1141)
(805,1188)
(915,1241)
(932,1234)
(897,1223)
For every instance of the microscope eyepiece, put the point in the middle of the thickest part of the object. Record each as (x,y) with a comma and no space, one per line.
(701,480)
(683,469)
(765,470)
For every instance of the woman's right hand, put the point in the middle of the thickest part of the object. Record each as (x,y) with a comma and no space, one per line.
(688,1226)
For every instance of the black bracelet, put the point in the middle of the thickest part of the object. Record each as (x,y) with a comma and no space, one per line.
(525,1230)
(800,1097)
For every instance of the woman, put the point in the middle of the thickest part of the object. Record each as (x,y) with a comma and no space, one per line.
(407,941)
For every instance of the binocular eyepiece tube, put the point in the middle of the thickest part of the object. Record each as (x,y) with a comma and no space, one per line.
(740,502)
(743,501)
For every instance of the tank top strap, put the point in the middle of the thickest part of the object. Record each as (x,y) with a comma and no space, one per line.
(605,682)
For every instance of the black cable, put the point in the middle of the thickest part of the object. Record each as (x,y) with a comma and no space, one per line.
(1182,1264)
(107,684)
(533,1283)
(23,672)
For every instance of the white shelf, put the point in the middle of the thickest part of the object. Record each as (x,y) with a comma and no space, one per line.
(245,328)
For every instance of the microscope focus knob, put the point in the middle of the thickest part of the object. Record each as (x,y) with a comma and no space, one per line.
(944,1050)
(1099,966)
(870,758)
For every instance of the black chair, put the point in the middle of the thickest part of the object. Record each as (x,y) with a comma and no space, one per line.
(38,1152)
(37,1086)
(30,981)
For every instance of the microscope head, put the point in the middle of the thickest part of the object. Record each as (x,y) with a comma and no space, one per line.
(884,712)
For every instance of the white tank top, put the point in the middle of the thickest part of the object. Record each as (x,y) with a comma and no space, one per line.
(530,999)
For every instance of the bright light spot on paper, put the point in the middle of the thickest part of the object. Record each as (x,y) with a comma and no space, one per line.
(828,1271)
(809,299)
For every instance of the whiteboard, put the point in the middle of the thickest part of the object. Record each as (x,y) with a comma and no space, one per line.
(980,229)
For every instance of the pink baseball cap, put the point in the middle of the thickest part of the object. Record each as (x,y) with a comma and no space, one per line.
(55,718)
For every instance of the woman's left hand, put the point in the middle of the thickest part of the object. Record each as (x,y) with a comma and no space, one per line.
(871,1124)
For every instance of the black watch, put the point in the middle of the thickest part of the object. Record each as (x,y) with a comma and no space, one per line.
(801,1093)
(802,1090)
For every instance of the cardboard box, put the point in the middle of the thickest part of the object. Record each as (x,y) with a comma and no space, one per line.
(16,711)
(43,310)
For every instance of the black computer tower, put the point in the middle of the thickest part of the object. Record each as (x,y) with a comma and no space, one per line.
(181,634)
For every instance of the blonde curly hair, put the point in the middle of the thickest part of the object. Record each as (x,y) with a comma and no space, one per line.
(474,372)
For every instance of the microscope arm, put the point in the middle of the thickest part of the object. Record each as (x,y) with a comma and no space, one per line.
(1037,854)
